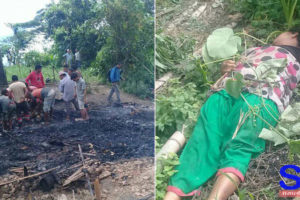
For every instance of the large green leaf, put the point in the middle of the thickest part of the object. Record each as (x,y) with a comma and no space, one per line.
(268,70)
(234,86)
(289,115)
(206,57)
(272,136)
(222,43)
(296,128)
(294,146)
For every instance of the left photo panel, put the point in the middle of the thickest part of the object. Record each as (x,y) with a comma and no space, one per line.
(77,100)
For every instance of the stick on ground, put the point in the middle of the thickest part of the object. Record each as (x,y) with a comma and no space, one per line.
(31,176)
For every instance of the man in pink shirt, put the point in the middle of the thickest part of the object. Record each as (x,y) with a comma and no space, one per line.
(36,78)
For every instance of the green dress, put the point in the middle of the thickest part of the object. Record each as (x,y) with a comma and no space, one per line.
(212,150)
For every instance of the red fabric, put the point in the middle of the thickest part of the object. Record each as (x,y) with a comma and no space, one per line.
(232,170)
(180,193)
(37,93)
(34,79)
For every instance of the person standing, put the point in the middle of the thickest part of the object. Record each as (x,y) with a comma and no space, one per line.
(115,77)
(81,95)
(7,108)
(18,91)
(68,88)
(68,56)
(77,58)
(35,79)
(45,96)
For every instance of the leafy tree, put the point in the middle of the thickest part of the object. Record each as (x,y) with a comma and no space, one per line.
(105,32)
(71,24)
(130,41)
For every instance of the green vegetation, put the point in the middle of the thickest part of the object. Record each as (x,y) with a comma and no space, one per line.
(22,72)
(105,33)
(266,16)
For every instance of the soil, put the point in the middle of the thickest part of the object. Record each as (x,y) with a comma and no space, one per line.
(194,19)
(118,139)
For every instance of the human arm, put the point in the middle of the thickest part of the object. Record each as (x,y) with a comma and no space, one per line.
(121,77)
(112,75)
(25,92)
(10,93)
(61,86)
(28,79)
(227,66)
(75,90)
(83,87)
(85,99)
(42,80)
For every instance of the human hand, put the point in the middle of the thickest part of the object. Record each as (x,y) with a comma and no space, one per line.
(227,66)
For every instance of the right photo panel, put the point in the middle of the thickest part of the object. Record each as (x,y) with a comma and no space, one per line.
(227,99)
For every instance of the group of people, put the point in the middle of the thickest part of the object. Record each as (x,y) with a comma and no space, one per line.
(69,58)
(31,99)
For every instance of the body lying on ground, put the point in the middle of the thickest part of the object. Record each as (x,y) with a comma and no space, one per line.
(213,149)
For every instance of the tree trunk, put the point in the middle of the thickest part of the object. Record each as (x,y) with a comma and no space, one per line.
(3,80)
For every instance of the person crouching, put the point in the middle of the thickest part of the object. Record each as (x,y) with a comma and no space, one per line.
(45,96)
(7,107)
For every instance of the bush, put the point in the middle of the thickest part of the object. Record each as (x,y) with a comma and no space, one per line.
(33,58)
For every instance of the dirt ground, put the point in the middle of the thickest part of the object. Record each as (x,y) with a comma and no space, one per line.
(197,19)
(194,19)
(117,145)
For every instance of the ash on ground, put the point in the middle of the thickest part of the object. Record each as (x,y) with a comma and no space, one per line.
(117,142)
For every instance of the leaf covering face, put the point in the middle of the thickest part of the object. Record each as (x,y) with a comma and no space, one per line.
(222,43)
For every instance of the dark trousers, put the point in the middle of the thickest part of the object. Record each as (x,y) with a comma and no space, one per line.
(22,107)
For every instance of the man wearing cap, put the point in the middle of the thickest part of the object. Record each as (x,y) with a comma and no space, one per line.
(68,87)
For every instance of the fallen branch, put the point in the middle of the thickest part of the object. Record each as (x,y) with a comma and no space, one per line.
(85,172)
(87,154)
(88,160)
(27,177)
(166,11)
(160,82)
(75,176)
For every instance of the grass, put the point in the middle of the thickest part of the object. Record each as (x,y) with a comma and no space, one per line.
(22,72)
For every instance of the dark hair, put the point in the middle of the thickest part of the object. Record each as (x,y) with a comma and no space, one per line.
(296,29)
(14,78)
(37,67)
(4,91)
(74,67)
(74,75)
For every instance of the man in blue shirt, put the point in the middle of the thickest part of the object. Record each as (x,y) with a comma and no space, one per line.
(115,77)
